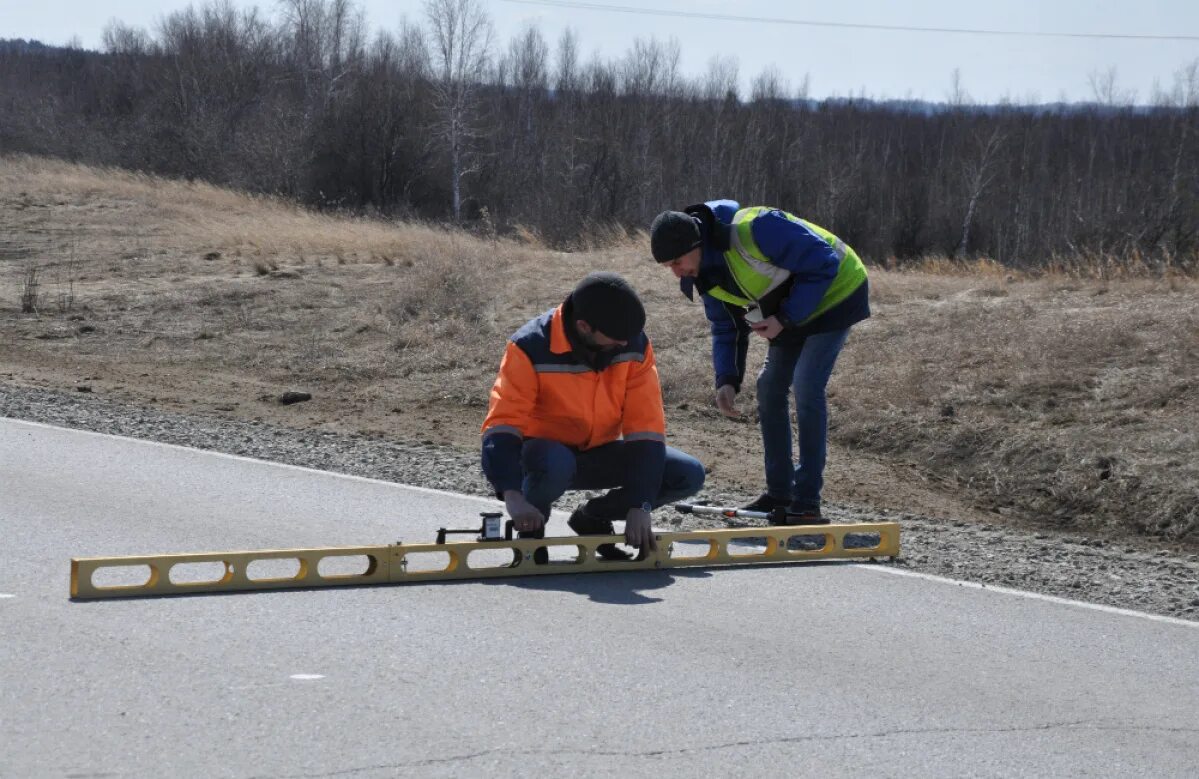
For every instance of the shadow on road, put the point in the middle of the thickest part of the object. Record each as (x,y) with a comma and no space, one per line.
(622,589)
(625,589)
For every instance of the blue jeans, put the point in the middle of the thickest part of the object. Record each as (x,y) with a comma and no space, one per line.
(551,468)
(803,369)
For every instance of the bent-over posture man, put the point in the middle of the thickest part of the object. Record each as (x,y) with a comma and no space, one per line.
(577,406)
(797,285)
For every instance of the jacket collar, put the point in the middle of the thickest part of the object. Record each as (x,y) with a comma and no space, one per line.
(567,341)
(559,342)
(713,271)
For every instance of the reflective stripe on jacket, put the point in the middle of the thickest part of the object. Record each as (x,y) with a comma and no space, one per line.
(756,275)
(544,391)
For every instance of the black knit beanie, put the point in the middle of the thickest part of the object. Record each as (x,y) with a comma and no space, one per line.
(672,235)
(607,303)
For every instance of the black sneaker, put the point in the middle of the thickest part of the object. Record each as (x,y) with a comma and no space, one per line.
(805,515)
(586,525)
(766,503)
(541,555)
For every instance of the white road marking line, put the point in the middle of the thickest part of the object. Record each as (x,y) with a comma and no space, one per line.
(242,458)
(490,502)
(306,677)
(1033,595)
(6,595)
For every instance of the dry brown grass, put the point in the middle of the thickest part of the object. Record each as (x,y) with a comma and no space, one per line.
(1066,400)
(1072,402)
(1095,266)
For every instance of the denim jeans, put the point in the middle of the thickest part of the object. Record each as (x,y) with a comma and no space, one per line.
(804,369)
(551,468)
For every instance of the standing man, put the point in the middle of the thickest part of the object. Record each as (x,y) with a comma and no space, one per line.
(577,406)
(791,282)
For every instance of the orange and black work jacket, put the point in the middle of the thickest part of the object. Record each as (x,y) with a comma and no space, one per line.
(550,385)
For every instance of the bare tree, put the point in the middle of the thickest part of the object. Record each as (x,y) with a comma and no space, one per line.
(1182,202)
(651,67)
(528,56)
(326,40)
(719,90)
(120,38)
(1107,93)
(958,97)
(294,104)
(649,78)
(769,85)
(720,81)
(979,173)
(462,37)
(567,77)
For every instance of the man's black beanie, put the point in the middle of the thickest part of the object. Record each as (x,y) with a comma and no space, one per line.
(607,303)
(672,235)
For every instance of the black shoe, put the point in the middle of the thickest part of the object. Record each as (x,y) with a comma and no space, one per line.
(541,555)
(586,525)
(612,552)
(805,515)
(766,503)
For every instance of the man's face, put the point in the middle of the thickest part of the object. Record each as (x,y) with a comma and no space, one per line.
(597,340)
(686,266)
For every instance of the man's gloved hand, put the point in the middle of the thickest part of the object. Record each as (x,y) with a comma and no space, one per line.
(639,531)
(525,516)
(726,401)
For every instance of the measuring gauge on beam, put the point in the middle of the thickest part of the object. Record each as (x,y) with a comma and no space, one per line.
(492,526)
(490,530)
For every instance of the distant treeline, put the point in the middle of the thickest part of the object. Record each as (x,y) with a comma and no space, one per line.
(437,121)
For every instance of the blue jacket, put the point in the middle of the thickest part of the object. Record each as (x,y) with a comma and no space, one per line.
(812,263)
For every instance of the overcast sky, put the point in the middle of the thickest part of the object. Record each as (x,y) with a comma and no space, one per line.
(838,61)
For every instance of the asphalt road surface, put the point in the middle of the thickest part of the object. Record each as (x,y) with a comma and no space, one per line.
(813,669)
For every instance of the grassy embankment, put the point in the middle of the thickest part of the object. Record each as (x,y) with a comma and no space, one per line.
(1065,400)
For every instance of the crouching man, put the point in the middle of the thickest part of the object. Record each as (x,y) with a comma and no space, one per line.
(577,406)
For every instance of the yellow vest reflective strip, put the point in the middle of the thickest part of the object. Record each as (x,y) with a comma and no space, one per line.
(756,276)
(647,436)
(494,429)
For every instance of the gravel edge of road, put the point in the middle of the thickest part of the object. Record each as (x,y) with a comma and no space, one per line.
(1060,564)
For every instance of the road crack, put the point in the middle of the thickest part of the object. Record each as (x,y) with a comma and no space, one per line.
(764,742)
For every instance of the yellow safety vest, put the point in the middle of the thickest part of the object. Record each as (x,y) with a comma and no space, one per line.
(756,276)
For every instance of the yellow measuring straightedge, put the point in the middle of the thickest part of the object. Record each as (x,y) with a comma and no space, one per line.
(399,563)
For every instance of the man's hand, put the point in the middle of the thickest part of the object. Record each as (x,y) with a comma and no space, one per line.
(525,516)
(726,401)
(768,327)
(639,531)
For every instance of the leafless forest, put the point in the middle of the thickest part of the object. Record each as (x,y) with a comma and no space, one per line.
(439,120)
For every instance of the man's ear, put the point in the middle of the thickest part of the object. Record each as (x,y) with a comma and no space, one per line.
(583,328)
